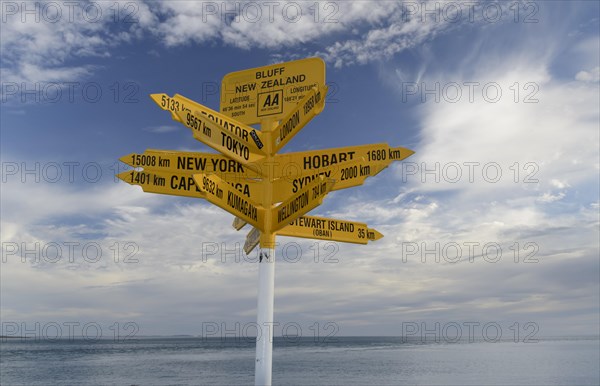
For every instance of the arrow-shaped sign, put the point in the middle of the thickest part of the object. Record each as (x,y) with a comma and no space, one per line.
(225,196)
(173,104)
(301,203)
(238,143)
(238,223)
(188,161)
(304,163)
(308,107)
(346,175)
(174,184)
(252,240)
(183,184)
(330,229)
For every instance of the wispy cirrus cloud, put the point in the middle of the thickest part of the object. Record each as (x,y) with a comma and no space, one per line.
(51,42)
(161,129)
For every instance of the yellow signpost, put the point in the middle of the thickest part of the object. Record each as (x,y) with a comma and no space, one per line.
(238,223)
(173,104)
(299,164)
(302,202)
(272,192)
(238,143)
(225,196)
(255,94)
(308,107)
(186,162)
(350,174)
(323,228)
(174,184)
(252,240)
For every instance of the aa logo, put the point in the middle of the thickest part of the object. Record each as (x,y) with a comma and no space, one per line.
(270,103)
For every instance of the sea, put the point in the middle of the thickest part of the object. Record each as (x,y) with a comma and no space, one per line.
(338,361)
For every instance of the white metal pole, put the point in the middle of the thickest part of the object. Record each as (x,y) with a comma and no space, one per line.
(266,296)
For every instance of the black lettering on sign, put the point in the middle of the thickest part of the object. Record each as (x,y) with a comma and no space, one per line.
(324,160)
(298,183)
(183,183)
(245,88)
(231,126)
(158,181)
(191,163)
(322,233)
(312,102)
(394,154)
(287,210)
(341,226)
(227,166)
(289,125)
(309,222)
(269,102)
(256,139)
(242,188)
(235,146)
(241,205)
(278,82)
(319,190)
(270,72)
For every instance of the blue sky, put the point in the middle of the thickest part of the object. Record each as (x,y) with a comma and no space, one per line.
(512,107)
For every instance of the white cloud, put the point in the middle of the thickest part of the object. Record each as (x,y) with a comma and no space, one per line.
(589,76)
(548,197)
(542,209)
(41,50)
(250,24)
(161,129)
(383,283)
(40,40)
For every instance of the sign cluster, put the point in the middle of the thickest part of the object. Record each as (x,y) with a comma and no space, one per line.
(272,192)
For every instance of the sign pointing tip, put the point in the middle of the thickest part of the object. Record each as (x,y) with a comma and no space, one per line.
(373,234)
(124,176)
(126,159)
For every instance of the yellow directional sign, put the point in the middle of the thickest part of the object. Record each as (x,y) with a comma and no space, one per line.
(347,175)
(227,197)
(238,223)
(174,104)
(187,161)
(252,240)
(238,143)
(236,134)
(175,184)
(306,109)
(330,229)
(298,164)
(272,91)
(288,165)
(272,192)
(348,166)
(302,202)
